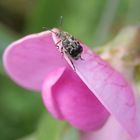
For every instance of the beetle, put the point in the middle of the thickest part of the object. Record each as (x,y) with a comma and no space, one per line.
(70,45)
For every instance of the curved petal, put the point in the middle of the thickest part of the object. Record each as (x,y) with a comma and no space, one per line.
(31,58)
(109,87)
(67,97)
(110,131)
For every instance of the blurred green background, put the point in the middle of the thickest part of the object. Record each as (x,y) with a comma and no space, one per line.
(95,22)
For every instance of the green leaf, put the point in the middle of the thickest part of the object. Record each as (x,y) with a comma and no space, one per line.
(6,37)
(19,110)
(52,129)
(45,14)
(49,128)
(30,137)
(70,133)
(133,13)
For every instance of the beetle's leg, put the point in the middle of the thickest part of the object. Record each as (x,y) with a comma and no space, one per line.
(57,44)
(72,65)
(70,61)
(62,49)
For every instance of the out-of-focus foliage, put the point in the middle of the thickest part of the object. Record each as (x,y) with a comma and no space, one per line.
(19,110)
(50,128)
(55,130)
(95,22)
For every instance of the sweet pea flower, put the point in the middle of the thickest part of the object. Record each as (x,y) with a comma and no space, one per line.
(86,96)
(125,45)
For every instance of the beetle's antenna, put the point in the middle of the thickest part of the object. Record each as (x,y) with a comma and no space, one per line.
(60,21)
(45,28)
(49,30)
(52,31)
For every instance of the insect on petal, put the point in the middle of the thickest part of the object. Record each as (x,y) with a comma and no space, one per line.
(109,87)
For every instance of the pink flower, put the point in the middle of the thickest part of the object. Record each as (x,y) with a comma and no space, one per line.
(85,97)
(112,130)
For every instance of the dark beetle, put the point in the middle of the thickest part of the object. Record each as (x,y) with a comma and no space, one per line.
(70,45)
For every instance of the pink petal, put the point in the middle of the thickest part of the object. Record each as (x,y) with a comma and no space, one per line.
(110,131)
(67,97)
(31,58)
(109,87)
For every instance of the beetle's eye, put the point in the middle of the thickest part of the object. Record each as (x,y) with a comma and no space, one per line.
(80,48)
